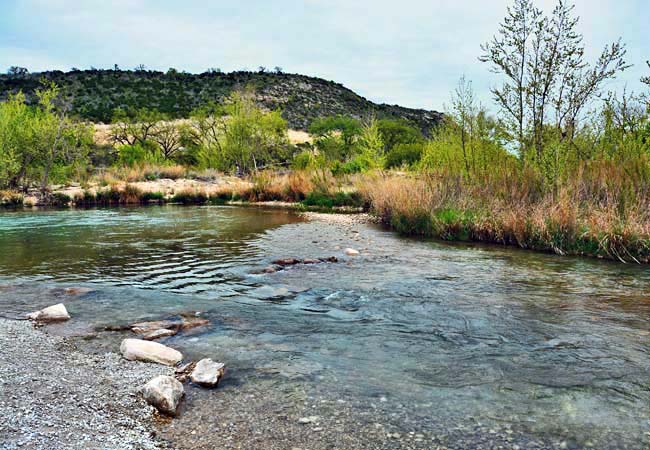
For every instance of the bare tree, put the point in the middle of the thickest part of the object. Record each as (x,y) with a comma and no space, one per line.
(646,80)
(463,110)
(508,52)
(168,137)
(543,61)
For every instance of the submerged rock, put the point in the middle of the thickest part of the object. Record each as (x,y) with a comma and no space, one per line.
(287,262)
(180,323)
(311,261)
(351,252)
(158,334)
(136,349)
(52,313)
(164,393)
(207,372)
(77,291)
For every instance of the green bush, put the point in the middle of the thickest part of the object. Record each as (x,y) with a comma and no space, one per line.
(190,198)
(328,200)
(302,160)
(404,155)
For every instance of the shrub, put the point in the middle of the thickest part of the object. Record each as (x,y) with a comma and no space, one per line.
(404,155)
(190,197)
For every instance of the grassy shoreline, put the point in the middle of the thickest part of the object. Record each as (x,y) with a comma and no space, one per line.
(440,207)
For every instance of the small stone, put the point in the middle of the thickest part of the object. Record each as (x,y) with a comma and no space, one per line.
(157,334)
(136,349)
(50,314)
(164,392)
(207,373)
(310,419)
(351,252)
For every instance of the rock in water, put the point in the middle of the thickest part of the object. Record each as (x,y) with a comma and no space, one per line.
(351,252)
(157,334)
(164,392)
(50,314)
(136,349)
(287,261)
(207,372)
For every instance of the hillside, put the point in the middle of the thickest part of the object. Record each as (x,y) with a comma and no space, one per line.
(96,93)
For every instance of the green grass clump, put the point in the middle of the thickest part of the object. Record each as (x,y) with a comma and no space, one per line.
(190,198)
(328,200)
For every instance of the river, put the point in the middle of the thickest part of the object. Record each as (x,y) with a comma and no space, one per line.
(412,344)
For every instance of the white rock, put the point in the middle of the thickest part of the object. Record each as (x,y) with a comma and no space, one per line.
(157,334)
(50,314)
(136,349)
(207,372)
(164,392)
(310,419)
(351,252)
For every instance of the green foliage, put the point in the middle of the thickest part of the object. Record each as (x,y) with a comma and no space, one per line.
(336,136)
(36,141)
(404,155)
(371,144)
(95,94)
(303,160)
(398,132)
(239,136)
(190,198)
(328,200)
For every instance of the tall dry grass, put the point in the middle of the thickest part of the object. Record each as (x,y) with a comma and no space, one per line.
(602,210)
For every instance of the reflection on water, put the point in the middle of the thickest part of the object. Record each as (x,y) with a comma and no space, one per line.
(555,347)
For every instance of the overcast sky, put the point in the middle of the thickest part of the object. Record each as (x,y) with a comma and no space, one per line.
(409,52)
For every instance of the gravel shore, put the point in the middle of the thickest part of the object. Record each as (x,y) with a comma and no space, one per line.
(53,396)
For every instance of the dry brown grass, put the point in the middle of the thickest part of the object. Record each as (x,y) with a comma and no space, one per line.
(602,210)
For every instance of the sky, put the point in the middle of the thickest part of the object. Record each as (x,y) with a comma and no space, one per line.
(407,52)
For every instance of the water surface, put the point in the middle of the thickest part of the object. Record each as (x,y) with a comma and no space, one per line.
(445,342)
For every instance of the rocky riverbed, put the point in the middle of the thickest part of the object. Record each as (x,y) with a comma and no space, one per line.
(54,396)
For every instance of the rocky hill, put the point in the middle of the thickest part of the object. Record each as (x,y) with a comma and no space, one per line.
(96,93)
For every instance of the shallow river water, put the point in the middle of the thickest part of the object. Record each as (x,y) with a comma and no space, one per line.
(413,344)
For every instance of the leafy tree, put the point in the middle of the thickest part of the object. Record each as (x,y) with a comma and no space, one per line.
(404,155)
(238,135)
(336,136)
(35,140)
(370,143)
(394,132)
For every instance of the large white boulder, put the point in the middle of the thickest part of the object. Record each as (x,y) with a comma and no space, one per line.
(50,314)
(164,392)
(148,351)
(207,372)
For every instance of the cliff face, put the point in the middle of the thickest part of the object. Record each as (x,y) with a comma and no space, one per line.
(96,93)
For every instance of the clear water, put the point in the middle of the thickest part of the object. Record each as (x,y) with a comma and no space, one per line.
(553,350)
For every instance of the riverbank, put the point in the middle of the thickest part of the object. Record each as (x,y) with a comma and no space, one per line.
(579,220)
(55,396)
